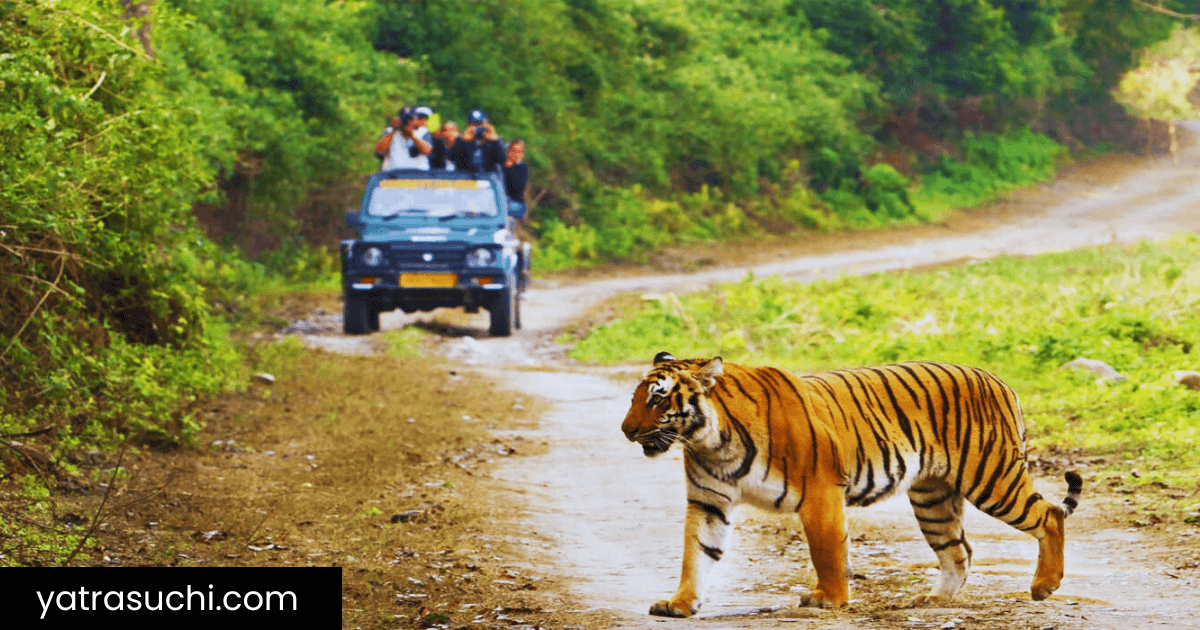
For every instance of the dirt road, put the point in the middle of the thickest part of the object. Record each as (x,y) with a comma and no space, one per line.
(610,520)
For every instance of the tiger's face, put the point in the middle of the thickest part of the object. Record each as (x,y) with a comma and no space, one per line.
(671,403)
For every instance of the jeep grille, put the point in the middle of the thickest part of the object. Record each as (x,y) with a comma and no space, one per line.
(440,258)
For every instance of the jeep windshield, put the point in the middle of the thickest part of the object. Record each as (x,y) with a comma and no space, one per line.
(433,198)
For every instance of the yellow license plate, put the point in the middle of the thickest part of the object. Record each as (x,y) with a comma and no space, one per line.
(428,280)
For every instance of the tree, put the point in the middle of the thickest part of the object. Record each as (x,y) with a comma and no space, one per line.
(1159,88)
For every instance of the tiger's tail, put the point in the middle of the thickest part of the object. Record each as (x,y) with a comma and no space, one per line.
(1074,489)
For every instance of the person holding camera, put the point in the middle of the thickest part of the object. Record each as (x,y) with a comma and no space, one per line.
(385,139)
(479,149)
(408,146)
(380,148)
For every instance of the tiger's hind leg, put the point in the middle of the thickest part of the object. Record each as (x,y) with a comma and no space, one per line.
(1049,574)
(939,511)
(1030,513)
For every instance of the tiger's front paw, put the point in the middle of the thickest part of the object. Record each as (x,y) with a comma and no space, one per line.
(668,608)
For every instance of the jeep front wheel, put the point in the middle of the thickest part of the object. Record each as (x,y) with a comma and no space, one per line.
(355,317)
(503,311)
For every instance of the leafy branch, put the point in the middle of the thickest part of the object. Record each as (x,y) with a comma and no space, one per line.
(62,265)
(112,483)
(1166,11)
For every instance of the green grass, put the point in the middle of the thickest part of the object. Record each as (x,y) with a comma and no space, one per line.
(1134,307)
(405,343)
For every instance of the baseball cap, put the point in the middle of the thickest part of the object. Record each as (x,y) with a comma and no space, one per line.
(423,111)
(476,116)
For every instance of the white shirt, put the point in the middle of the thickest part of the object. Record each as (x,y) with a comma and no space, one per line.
(400,153)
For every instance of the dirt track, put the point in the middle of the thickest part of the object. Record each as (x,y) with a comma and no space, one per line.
(610,520)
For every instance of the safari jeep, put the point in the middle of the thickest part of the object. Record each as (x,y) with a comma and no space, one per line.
(434,239)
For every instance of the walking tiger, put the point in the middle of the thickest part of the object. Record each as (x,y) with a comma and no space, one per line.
(814,444)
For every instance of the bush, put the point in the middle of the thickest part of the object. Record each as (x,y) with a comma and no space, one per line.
(991,165)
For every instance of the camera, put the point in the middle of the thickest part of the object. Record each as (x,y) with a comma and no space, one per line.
(480,130)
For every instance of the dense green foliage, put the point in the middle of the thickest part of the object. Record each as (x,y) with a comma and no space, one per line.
(996,51)
(106,326)
(683,92)
(286,92)
(1136,308)
(120,122)
(117,124)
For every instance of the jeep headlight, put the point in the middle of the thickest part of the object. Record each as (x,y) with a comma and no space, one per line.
(373,257)
(482,257)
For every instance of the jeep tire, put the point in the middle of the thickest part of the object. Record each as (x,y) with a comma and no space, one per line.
(503,312)
(356,317)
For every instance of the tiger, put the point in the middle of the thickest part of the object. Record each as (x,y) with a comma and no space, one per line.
(816,443)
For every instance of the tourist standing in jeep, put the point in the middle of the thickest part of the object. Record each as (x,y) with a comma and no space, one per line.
(407,147)
(443,143)
(479,149)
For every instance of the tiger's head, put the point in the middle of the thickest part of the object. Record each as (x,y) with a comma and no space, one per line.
(671,403)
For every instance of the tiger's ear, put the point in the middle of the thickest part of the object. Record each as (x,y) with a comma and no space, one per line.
(663,357)
(708,373)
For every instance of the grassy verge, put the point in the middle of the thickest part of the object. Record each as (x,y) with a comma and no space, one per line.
(1133,307)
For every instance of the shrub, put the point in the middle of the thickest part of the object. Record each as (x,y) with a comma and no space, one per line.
(992,164)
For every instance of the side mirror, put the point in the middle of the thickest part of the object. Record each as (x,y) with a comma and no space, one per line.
(516,209)
(354,221)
